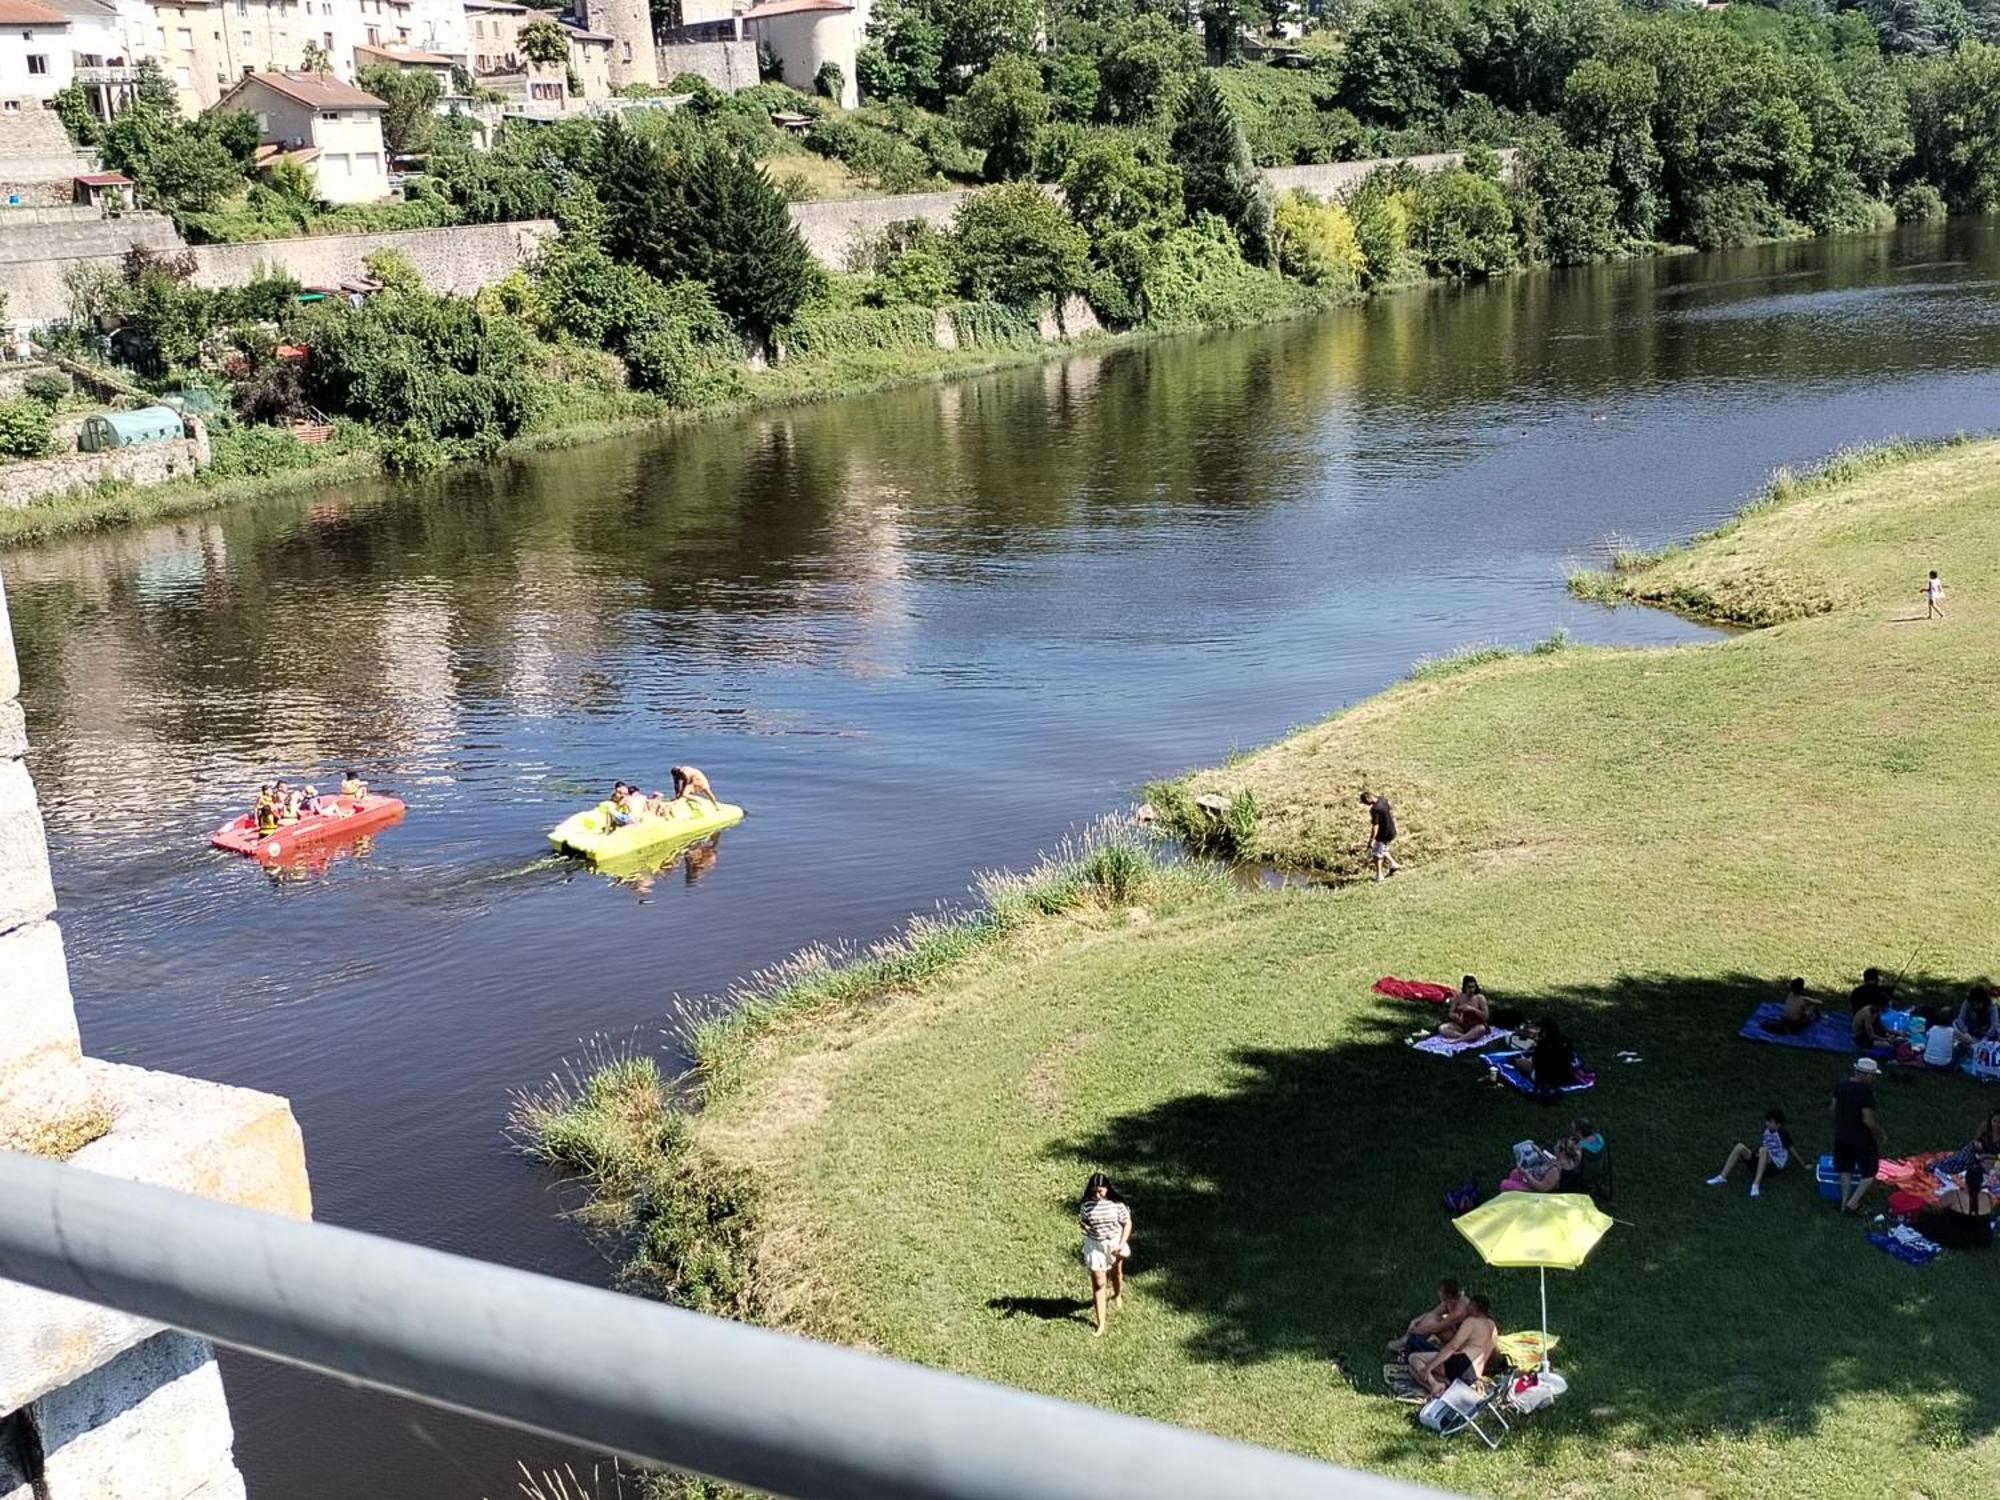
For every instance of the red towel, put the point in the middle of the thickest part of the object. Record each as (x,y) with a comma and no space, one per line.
(1414,989)
(1908,1168)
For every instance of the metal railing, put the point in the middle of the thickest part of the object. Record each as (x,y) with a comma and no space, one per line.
(652,1383)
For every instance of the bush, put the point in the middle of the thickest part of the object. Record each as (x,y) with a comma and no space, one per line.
(1316,242)
(1570,207)
(1734,213)
(395,270)
(252,452)
(830,82)
(1920,203)
(1462,226)
(49,387)
(25,429)
(819,332)
(916,278)
(1015,244)
(1197,276)
(684,350)
(1380,208)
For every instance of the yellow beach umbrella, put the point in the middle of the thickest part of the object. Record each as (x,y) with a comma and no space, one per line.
(1535,1229)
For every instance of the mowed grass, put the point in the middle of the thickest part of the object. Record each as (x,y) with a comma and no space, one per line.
(1636,842)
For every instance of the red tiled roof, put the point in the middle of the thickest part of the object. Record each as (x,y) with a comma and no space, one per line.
(313,90)
(105,179)
(27,13)
(267,153)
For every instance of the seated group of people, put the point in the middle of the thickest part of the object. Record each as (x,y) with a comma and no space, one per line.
(1871,1025)
(628,804)
(1573,1165)
(1455,1340)
(279,803)
(1551,1065)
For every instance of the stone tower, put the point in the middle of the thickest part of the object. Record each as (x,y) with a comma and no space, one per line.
(629,24)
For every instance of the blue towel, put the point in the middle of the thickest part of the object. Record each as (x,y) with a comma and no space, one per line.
(1827,1034)
(1909,1255)
(1507,1067)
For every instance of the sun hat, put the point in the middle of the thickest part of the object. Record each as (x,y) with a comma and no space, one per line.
(1867,1065)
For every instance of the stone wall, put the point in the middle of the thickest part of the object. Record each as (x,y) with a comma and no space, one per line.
(24,481)
(67,233)
(461,259)
(728,65)
(835,228)
(100,1404)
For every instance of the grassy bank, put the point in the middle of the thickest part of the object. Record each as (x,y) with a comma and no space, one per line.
(1635,841)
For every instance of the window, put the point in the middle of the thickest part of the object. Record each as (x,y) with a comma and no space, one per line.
(374,36)
(628,52)
(38,63)
(242,7)
(329,41)
(368,163)
(184,77)
(246,41)
(334,163)
(402,33)
(161,33)
(329,114)
(185,37)
(263,123)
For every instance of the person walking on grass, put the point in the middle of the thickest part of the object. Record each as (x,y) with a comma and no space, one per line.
(1933,597)
(1107,1242)
(1773,1153)
(1381,834)
(1857,1134)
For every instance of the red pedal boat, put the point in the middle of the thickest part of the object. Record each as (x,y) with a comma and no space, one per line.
(362,815)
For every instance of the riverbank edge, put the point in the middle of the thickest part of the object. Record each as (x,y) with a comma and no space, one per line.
(806,382)
(826,994)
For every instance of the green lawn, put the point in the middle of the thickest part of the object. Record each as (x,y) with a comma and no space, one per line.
(1637,842)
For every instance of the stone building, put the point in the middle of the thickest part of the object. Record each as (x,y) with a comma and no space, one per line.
(804,36)
(629,24)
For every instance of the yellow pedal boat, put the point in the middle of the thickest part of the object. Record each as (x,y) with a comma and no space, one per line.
(593,835)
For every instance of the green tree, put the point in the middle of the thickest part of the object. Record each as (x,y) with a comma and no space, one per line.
(904,55)
(1462,226)
(1146,68)
(314,58)
(1014,244)
(1402,65)
(1917,28)
(1074,84)
(1609,106)
(1217,175)
(235,131)
(544,43)
(1117,183)
(1572,207)
(1955,114)
(1316,242)
(711,216)
(73,109)
(1001,112)
(156,91)
(25,429)
(410,124)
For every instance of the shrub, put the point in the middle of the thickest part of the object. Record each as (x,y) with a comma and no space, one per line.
(395,270)
(916,278)
(830,82)
(1734,213)
(1014,244)
(1462,226)
(1316,242)
(252,452)
(825,331)
(1197,276)
(1569,203)
(1920,203)
(25,429)
(49,387)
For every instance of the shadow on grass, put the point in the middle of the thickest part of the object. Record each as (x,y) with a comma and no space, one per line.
(1048,1309)
(1296,1210)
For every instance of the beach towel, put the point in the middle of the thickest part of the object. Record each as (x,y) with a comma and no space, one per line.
(1510,1068)
(1911,1248)
(1827,1034)
(1439,1046)
(1909,1168)
(1413,989)
(1524,1351)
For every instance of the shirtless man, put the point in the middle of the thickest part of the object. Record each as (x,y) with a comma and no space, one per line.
(1428,1329)
(689,782)
(1465,1356)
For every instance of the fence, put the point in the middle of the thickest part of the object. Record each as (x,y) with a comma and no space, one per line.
(656,1384)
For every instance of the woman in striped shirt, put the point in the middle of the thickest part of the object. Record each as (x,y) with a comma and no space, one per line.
(1107,1241)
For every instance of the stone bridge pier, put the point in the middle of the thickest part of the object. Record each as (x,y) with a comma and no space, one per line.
(96,1405)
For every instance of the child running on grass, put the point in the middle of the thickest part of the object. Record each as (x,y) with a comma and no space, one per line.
(1933,597)
(1773,1152)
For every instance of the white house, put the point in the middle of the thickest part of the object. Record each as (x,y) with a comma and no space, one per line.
(34,50)
(332,129)
(805,35)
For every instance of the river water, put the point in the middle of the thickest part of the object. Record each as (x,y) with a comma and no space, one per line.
(916,634)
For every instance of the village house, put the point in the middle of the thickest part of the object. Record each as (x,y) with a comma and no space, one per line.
(330,128)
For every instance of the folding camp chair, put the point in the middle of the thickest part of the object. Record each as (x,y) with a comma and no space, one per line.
(1461,1408)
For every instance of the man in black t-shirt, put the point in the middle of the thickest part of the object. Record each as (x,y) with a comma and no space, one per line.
(1871,991)
(1857,1135)
(1381,833)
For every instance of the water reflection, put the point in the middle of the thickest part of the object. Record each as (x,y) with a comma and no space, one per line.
(916,635)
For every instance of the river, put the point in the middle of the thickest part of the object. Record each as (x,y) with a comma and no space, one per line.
(917,634)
